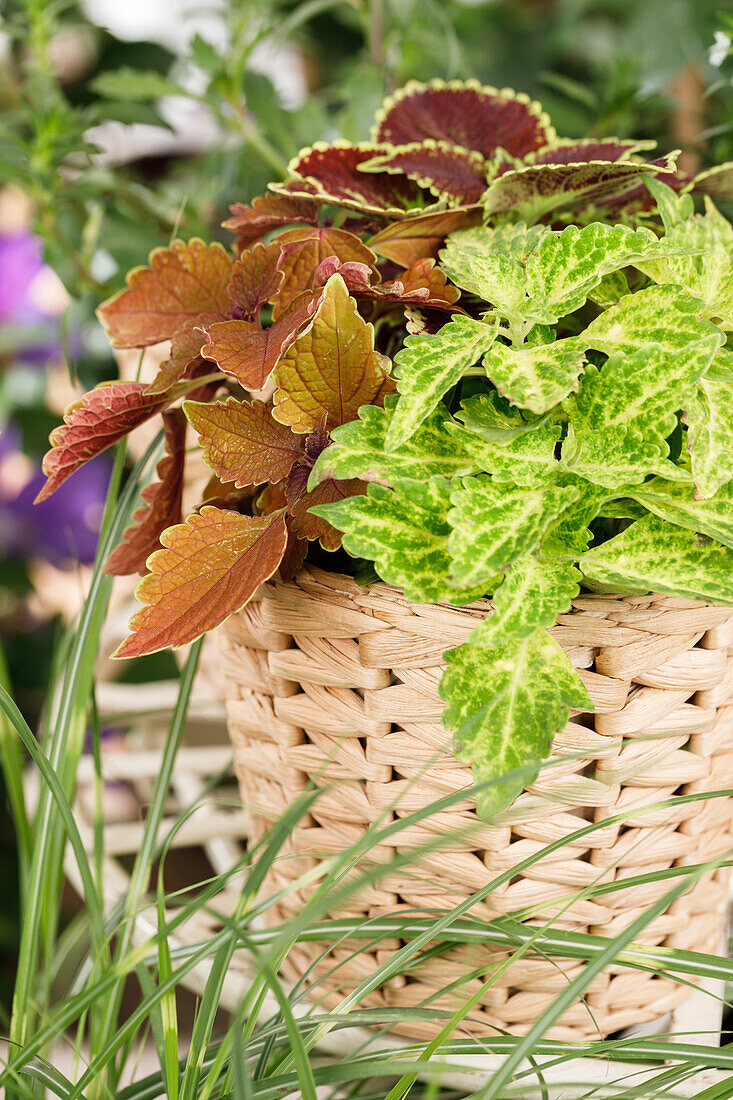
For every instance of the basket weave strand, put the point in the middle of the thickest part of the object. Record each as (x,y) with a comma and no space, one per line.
(331,682)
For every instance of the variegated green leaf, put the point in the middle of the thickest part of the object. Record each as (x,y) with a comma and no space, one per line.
(653,555)
(709,416)
(525,459)
(536,377)
(671,207)
(359,448)
(493,418)
(511,239)
(656,315)
(404,531)
(533,593)
(676,503)
(505,705)
(495,277)
(428,366)
(643,390)
(568,536)
(494,524)
(615,456)
(610,290)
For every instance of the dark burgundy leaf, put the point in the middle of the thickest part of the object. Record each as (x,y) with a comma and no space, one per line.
(588,149)
(448,171)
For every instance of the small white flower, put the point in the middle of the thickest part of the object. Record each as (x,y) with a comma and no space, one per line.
(719,49)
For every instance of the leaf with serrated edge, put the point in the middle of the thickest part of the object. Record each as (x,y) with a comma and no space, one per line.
(307,524)
(493,418)
(242,442)
(404,531)
(427,366)
(569,535)
(536,377)
(497,278)
(209,567)
(653,555)
(504,706)
(332,368)
(661,315)
(269,212)
(614,456)
(419,236)
(709,417)
(677,504)
(99,419)
(445,169)
(532,594)
(161,507)
(359,449)
(643,390)
(302,250)
(256,279)
(185,284)
(494,524)
(185,356)
(525,459)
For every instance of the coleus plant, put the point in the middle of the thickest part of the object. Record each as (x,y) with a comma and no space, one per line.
(289,342)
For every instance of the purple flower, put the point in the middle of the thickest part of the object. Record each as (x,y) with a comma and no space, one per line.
(21,262)
(64,527)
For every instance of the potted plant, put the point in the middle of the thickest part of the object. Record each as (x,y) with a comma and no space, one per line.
(529,444)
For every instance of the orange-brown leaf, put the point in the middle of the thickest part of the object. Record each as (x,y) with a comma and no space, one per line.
(421,235)
(162,507)
(185,284)
(209,567)
(293,557)
(307,526)
(242,442)
(302,250)
(269,212)
(255,280)
(422,284)
(331,368)
(185,355)
(102,417)
(249,353)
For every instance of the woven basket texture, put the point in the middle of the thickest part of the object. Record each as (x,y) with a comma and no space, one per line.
(339,683)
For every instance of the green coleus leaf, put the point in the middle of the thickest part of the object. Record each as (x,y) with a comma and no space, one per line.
(662,315)
(493,418)
(568,536)
(533,593)
(611,289)
(359,448)
(525,459)
(496,277)
(653,555)
(643,390)
(709,416)
(615,456)
(536,377)
(504,706)
(404,531)
(494,524)
(676,503)
(671,207)
(428,366)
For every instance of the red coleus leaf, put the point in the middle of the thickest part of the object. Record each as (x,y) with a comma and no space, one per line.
(420,236)
(421,284)
(209,567)
(307,526)
(249,353)
(184,358)
(162,507)
(536,190)
(302,250)
(585,150)
(446,170)
(269,212)
(242,442)
(256,279)
(464,113)
(102,417)
(332,368)
(185,284)
(331,173)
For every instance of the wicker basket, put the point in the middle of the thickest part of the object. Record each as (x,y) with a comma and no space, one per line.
(332,681)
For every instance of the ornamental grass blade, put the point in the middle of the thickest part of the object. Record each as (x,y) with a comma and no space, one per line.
(332,368)
(301,252)
(404,531)
(495,524)
(653,555)
(209,567)
(242,442)
(464,113)
(162,504)
(185,285)
(427,366)
(101,418)
(504,706)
